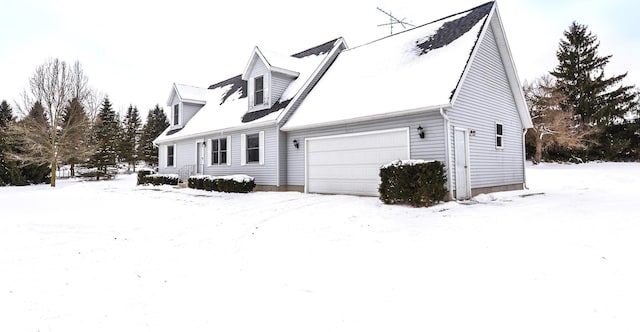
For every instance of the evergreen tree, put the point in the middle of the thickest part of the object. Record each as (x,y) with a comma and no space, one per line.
(130,137)
(31,171)
(104,137)
(6,117)
(6,114)
(156,124)
(593,98)
(74,140)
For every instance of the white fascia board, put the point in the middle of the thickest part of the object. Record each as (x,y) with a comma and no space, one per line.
(368,118)
(284,71)
(255,54)
(194,101)
(174,91)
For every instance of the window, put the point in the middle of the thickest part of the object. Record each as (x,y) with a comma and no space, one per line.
(499,135)
(176,114)
(253,148)
(170,156)
(219,151)
(258,90)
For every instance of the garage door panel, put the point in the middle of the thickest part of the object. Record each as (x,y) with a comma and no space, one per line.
(351,164)
(345,157)
(335,172)
(353,187)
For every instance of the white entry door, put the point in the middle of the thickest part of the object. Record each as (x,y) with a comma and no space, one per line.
(350,164)
(463,188)
(200,153)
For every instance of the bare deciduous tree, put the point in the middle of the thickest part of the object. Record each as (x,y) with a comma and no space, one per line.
(55,138)
(553,126)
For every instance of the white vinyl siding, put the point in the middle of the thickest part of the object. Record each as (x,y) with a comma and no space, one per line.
(485,99)
(279,84)
(265,172)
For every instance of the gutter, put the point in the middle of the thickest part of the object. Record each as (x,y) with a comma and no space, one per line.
(447,155)
(364,118)
(250,125)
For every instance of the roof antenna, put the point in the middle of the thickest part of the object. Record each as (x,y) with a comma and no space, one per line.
(393,21)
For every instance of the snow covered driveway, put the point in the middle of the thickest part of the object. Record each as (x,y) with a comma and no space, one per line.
(109,256)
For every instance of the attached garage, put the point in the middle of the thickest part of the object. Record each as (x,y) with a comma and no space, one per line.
(350,164)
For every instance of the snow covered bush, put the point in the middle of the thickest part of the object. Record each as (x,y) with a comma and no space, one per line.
(157,179)
(414,182)
(142,174)
(228,184)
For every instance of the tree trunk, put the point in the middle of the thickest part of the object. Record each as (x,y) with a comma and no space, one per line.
(73,170)
(54,169)
(538,155)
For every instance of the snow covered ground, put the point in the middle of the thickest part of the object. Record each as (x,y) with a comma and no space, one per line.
(109,256)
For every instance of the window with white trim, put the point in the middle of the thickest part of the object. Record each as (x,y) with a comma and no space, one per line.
(176,114)
(171,150)
(252,148)
(258,91)
(219,151)
(499,137)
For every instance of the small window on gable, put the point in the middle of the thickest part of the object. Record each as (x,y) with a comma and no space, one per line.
(171,156)
(176,114)
(499,137)
(258,90)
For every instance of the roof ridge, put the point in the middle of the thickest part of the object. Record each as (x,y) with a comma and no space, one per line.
(422,25)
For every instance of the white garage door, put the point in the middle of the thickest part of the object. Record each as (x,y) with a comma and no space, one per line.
(350,164)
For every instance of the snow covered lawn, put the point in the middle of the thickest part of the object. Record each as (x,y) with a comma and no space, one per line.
(109,256)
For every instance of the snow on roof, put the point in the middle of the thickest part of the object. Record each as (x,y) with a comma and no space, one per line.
(191,93)
(226,104)
(415,69)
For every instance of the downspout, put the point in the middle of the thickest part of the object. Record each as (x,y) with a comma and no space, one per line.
(277,157)
(447,156)
(524,159)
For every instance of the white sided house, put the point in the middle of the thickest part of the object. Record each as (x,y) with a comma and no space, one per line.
(324,120)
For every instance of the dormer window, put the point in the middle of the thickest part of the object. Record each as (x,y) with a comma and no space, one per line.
(258,84)
(176,114)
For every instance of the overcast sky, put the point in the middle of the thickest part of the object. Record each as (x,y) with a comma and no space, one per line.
(134,50)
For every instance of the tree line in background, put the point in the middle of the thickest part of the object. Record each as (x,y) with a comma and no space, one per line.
(61,122)
(580,114)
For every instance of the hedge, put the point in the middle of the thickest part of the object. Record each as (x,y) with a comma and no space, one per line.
(414,182)
(145,177)
(228,184)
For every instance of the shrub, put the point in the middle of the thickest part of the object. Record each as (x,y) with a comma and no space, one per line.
(414,182)
(144,178)
(228,184)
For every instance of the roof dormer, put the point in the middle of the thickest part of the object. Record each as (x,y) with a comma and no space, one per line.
(267,75)
(183,102)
